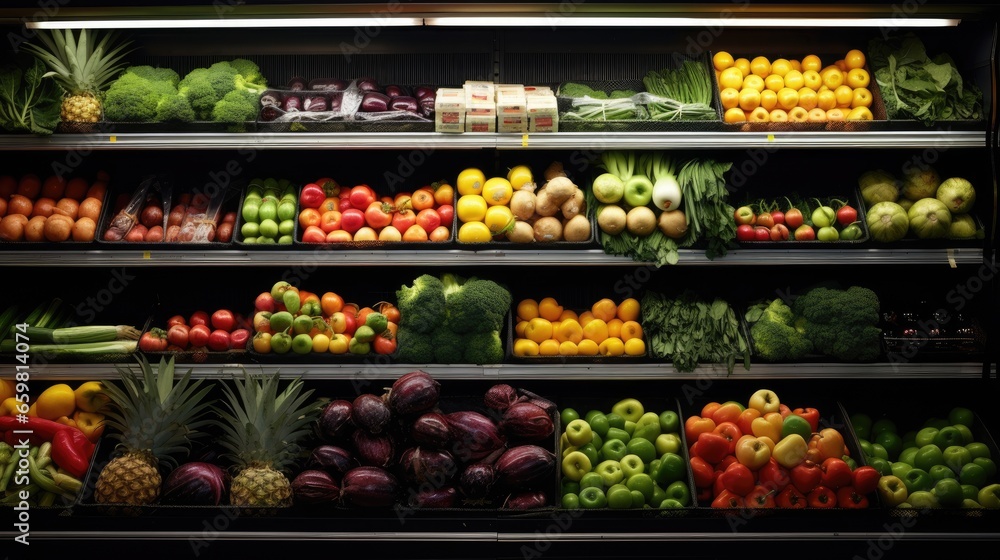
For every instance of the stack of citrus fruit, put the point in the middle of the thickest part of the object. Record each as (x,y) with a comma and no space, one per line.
(545,328)
(782,90)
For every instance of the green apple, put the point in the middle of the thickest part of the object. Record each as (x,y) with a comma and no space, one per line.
(907,455)
(670,468)
(925,436)
(978,449)
(892,443)
(568,486)
(962,415)
(968,503)
(923,499)
(643,483)
(966,433)
(670,503)
(667,443)
(679,490)
(591,452)
(955,456)
(899,468)
(638,193)
(939,472)
(882,425)
(619,497)
(928,456)
(614,450)
(593,498)
(648,427)
(989,496)
(892,490)
(629,427)
(629,409)
(591,414)
(670,422)
(879,451)
(617,434)
(591,479)
(795,424)
(973,474)
(910,439)
(638,499)
(615,421)
(578,432)
(659,494)
(862,424)
(643,448)
(568,415)
(988,465)
(597,442)
(599,424)
(866,448)
(632,465)
(881,465)
(765,401)
(611,472)
(571,501)
(915,480)
(948,435)
(948,492)
(850,462)
(935,422)
(575,465)
(969,491)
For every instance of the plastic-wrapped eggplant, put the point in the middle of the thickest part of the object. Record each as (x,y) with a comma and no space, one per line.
(297,84)
(292,103)
(315,103)
(404,103)
(427,105)
(421,92)
(367,84)
(336,101)
(396,91)
(128,216)
(270,113)
(375,102)
(327,84)
(271,98)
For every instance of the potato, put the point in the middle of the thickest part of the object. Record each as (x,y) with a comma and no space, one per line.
(640,221)
(560,189)
(545,205)
(577,228)
(574,205)
(548,229)
(673,224)
(611,219)
(555,169)
(522,233)
(522,204)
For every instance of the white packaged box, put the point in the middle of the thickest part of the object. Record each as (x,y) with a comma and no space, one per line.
(480,124)
(449,99)
(542,105)
(449,121)
(512,123)
(543,123)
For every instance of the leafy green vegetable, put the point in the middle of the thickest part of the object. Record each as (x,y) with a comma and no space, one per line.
(690,330)
(682,94)
(29,103)
(916,86)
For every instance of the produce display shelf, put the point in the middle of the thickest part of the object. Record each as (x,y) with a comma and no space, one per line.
(557,372)
(595,141)
(325,256)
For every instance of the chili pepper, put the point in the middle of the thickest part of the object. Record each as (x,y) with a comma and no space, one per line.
(71,450)
(65,481)
(42,479)
(41,429)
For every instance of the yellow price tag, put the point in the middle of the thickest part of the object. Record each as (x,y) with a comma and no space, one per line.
(770,138)
(524,140)
(146,255)
(112,139)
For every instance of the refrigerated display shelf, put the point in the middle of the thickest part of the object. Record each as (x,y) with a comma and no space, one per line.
(23,256)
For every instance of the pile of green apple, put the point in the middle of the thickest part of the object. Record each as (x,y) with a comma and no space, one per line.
(938,465)
(767,455)
(624,458)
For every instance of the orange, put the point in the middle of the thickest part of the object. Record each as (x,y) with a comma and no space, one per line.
(749,99)
(768,99)
(611,347)
(845,95)
(794,79)
(538,330)
(605,309)
(735,115)
(635,347)
(615,327)
(753,81)
(780,66)
(569,314)
(760,114)
(722,60)
(527,309)
(568,330)
(858,78)
(630,330)
(812,80)
(548,348)
(811,62)
(549,309)
(568,348)
(525,347)
(596,330)
(587,348)
(628,309)
(760,66)
(331,303)
(729,97)
(854,59)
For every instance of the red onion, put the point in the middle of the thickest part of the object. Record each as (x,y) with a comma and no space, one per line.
(195,483)
(433,498)
(545,404)
(369,487)
(526,421)
(373,450)
(476,481)
(332,459)
(315,487)
(371,413)
(500,397)
(413,393)
(527,500)
(524,465)
(473,435)
(427,466)
(431,429)
(335,420)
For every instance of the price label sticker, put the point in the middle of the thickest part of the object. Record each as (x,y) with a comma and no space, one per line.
(112,139)
(146,255)
(951,259)
(770,137)
(524,140)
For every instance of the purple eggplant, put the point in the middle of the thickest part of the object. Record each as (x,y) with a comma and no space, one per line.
(367,84)
(297,84)
(270,113)
(327,84)
(271,98)
(421,92)
(315,102)
(427,106)
(336,100)
(293,103)
(404,103)
(195,483)
(396,91)
(375,102)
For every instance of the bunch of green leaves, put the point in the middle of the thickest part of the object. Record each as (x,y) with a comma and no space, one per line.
(916,86)
(690,330)
(682,94)
(29,102)
(705,203)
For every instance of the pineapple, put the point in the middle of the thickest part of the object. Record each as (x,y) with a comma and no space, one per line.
(82,68)
(154,419)
(261,431)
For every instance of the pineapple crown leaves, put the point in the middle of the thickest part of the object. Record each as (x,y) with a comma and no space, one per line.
(74,64)
(154,413)
(261,426)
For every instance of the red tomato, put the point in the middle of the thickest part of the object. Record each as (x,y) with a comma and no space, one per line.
(312,196)
(428,219)
(339,236)
(440,233)
(352,220)
(330,221)
(403,219)
(447,213)
(178,336)
(176,320)
(362,196)
(383,345)
(331,203)
(224,319)
(198,318)
(415,233)
(313,234)
(154,340)
(198,335)
(402,200)
(218,341)
(309,217)
(444,193)
(423,198)
(378,214)
(390,311)
(239,338)
(345,204)
(387,199)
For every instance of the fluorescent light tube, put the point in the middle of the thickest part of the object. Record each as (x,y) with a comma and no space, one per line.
(215,23)
(659,21)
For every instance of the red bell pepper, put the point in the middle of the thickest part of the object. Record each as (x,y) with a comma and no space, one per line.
(811,415)
(760,497)
(42,430)
(848,497)
(71,451)
(790,498)
(727,499)
(865,479)
(822,497)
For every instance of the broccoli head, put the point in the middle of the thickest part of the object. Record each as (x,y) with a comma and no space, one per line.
(234,108)
(200,93)
(131,99)
(477,306)
(174,108)
(413,347)
(449,347)
(842,324)
(422,305)
(777,341)
(165,78)
(484,348)
(249,72)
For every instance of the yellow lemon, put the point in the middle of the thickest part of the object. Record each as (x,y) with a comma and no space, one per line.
(794,79)
(635,347)
(729,97)
(587,348)
(768,99)
(548,348)
(780,66)
(611,347)
(538,330)
(731,77)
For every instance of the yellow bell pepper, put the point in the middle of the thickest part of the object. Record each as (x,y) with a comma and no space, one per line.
(90,423)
